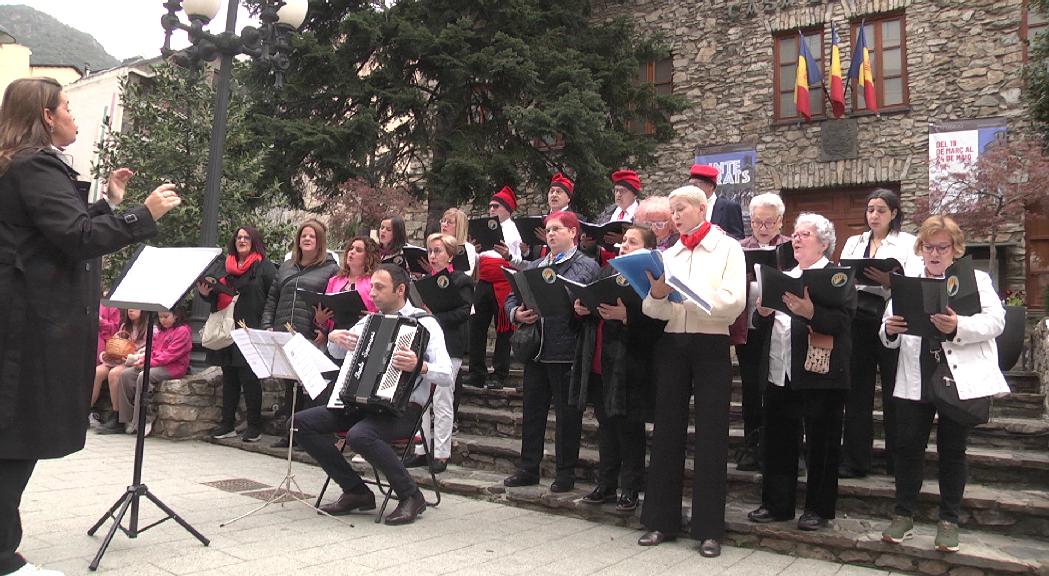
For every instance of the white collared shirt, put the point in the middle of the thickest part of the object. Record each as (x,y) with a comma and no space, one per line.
(898,245)
(630,211)
(710,205)
(779,348)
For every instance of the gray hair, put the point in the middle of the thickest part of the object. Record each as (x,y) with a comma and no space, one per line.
(770,200)
(824,230)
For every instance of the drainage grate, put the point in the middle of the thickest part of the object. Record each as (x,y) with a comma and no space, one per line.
(236,485)
(267,494)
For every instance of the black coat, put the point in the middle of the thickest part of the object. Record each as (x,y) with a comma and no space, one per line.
(50,242)
(254,288)
(456,322)
(728,216)
(626,362)
(283,304)
(836,322)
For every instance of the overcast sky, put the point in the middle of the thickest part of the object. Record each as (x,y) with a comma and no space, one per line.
(125,28)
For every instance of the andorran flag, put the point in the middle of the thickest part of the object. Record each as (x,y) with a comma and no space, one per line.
(808,75)
(837,87)
(860,69)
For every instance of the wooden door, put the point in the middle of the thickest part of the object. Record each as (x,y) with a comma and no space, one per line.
(1036,241)
(844,207)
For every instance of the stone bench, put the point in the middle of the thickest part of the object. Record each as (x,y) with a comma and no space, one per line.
(191,406)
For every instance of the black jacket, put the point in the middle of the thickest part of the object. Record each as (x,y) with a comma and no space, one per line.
(283,304)
(50,242)
(560,332)
(626,362)
(456,322)
(728,216)
(254,288)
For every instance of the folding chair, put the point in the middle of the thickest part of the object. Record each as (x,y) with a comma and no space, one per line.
(406,445)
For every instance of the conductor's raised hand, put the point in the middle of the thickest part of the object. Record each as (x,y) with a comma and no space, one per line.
(660,289)
(162,200)
(117,184)
(404,359)
(344,339)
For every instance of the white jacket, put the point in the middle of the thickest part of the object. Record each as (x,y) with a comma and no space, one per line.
(716,269)
(972,355)
(898,245)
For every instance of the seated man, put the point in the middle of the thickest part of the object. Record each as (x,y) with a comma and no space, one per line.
(369,432)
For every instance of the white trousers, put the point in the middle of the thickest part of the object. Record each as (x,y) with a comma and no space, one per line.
(437,421)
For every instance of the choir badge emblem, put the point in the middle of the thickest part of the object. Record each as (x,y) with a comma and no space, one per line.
(492,224)
(549,275)
(622,281)
(442,281)
(952,286)
(838,280)
(398,260)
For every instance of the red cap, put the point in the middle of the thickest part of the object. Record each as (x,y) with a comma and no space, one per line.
(627,178)
(705,172)
(507,198)
(563,182)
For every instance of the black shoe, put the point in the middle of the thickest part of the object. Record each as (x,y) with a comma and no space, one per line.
(493,384)
(520,478)
(408,510)
(600,495)
(810,521)
(112,427)
(349,502)
(850,472)
(417,462)
(710,548)
(563,485)
(654,538)
(748,462)
(251,434)
(763,516)
(283,443)
(474,382)
(627,502)
(439,465)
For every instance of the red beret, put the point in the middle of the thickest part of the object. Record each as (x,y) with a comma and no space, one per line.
(507,198)
(627,178)
(563,182)
(704,171)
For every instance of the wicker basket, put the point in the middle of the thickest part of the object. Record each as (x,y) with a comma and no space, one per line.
(119,346)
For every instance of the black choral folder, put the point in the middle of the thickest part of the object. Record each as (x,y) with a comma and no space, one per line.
(605,291)
(541,290)
(347,306)
(860,264)
(438,292)
(486,231)
(828,287)
(916,299)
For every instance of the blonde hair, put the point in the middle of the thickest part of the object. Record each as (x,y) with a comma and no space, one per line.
(22,124)
(451,245)
(933,225)
(460,223)
(320,230)
(693,194)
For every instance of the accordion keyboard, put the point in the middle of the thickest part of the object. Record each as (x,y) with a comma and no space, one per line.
(388,383)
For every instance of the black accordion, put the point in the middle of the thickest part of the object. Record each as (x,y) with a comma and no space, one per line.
(367,378)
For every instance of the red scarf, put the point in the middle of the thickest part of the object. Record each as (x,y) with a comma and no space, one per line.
(233,268)
(490,270)
(692,239)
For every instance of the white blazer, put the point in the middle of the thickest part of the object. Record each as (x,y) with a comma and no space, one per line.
(898,245)
(972,355)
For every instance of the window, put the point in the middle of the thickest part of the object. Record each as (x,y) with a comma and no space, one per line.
(886,43)
(660,74)
(786,51)
(1031,26)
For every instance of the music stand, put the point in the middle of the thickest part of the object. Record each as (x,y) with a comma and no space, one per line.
(154,280)
(291,356)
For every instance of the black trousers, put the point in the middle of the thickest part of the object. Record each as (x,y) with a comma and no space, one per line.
(690,364)
(368,434)
(621,444)
(785,412)
(914,422)
(543,383)
(749,356)
(237,379)
(869,358)
(486,310)
(14,476)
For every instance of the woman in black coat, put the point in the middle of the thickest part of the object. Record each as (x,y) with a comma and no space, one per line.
(621,393)
(246,272)
(50,242)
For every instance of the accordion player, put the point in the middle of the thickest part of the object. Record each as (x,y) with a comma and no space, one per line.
(368,378)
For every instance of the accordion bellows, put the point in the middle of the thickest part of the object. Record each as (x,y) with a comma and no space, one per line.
(367,378)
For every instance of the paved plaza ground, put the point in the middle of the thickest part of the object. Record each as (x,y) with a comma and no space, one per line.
(462,536)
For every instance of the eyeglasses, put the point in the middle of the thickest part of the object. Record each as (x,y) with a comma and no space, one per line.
(555,229)
(449,221)
(937,249)
(763,223)
(655,225)
(494,205)
(439,250)
(802,235)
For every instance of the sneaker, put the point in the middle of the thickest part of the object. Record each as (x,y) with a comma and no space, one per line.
(223,431)
(33,570)
(946,536)
(94,419)
(902,528)
(251,434)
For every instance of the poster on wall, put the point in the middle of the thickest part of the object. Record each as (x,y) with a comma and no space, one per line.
(737,178)
(953,148)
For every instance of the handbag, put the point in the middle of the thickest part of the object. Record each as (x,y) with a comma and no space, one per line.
(527,342)
(944,394)
(817,357)
(217,332)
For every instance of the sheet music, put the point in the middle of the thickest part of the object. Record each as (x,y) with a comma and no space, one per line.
(264,352)
(686,291)
(161,276)
(308,362)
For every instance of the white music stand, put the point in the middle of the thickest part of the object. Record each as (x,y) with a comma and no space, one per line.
(291,356)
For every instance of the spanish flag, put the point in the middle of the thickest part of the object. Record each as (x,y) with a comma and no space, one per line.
(860,69)
(808,75)
(837,87)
